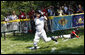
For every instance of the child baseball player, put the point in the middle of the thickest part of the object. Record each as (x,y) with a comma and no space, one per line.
(73,34)
(40,32)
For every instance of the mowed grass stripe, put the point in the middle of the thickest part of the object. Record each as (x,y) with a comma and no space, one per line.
(20,46)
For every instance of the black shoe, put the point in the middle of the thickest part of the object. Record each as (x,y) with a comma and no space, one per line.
(33,48)
(54,39)
(72,37)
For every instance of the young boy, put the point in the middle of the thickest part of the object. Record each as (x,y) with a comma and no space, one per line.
(73,34)
(40,32)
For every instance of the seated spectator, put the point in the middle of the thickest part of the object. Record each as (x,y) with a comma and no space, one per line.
(80,9)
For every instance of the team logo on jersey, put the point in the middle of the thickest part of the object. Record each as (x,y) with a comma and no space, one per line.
(63,21)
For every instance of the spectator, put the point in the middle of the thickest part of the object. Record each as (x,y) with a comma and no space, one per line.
(31,13)
(7,17)
(14,25)
(80,9)
(44,11)
(60,11)
(23,23)
(22,15)
(65,9)
(31,16)
(51,11)
(45,14)
(70,10)
(74,9)
(14,16)
(55,10)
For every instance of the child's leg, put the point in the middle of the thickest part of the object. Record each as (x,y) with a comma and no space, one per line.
(46,39)
(44,36)
(36,39)
(66,36)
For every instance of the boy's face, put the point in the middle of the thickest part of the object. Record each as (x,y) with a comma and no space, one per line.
(37,15)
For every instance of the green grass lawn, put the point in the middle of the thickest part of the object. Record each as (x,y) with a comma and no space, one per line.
(19,44)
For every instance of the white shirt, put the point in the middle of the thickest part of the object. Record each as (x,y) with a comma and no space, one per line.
(39,22)
(60,12)
(65,8)
(50,11)
(6,19)
(14,17)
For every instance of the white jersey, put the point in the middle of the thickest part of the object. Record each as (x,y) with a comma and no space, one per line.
(40,32)
(39,22)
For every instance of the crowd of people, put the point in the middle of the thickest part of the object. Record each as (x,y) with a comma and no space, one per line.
(46,11)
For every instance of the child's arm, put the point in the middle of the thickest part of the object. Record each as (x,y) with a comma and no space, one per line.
(45,17)
(75,34)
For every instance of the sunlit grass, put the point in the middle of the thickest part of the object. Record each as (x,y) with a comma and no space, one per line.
(19,45)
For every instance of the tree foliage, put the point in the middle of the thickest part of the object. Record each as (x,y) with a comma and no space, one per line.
(9,6)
